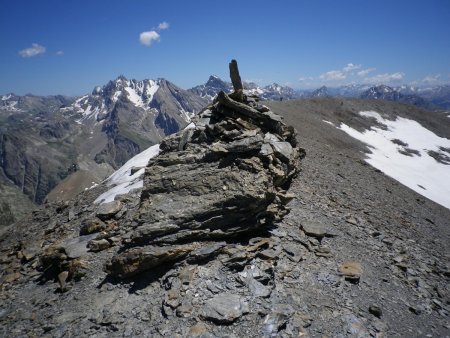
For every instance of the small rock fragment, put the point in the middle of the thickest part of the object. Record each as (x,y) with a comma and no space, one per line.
(350,270)
(375,310)
(225,308)
(314,229)
(62,277)
(98,245)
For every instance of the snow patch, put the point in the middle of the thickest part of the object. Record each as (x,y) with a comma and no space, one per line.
(151,90)
(420,172)
(116,95)
(134,97)
(122,181)
(6,97)
(328,122)
(11,106)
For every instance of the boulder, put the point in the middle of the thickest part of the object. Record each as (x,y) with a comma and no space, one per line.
(109,210)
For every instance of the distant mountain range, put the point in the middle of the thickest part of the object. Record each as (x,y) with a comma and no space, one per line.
(54,147)
(273,92)
(436,97)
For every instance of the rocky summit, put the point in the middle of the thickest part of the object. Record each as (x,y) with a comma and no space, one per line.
(190,254)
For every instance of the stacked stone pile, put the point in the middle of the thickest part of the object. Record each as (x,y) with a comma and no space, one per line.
(225,177)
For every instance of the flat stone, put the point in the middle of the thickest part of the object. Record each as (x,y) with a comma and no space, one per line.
(258,289)
(351,270)
(314,229)
(209,251)
(136,260)
(225,308)
(77,247)
(283,150)
(108,210)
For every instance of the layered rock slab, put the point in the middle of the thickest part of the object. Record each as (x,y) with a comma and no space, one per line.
(226,176)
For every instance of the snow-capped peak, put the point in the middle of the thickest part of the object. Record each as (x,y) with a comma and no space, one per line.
(93,108)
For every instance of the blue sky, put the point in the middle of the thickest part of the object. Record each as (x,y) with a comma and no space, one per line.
(68,47)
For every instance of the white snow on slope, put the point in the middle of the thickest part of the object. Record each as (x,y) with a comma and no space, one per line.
(6,97)
(423,173)
(11,106)
(134,97)
(122,181)
(151,89)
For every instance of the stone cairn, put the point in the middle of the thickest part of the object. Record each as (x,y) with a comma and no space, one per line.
(221,180)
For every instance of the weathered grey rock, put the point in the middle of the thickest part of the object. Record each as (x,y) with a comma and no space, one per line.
(77,247)
(137,260)
(108,210)
(314,229)
(238,93)
(375,310)
(98,245)
(235,77)
(258,289)
(225,308)
(90,226)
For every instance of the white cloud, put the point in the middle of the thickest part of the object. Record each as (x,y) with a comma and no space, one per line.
(163,25)
(60,53)
(147,38)
(339,75)
(350,67)
(366,72)
(34,50)
(306,78)
(431,79)
(333,75)
(385,78)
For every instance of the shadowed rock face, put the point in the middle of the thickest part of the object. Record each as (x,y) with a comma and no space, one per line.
(225,177)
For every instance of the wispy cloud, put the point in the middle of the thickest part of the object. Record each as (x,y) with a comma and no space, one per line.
(341,74)
(351,67)
(149,37)
(357,73)
(385,78)
(34,50)
(163,25)
(432,79)
(366,72)
(333,75)
(60,53)
(305,78)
